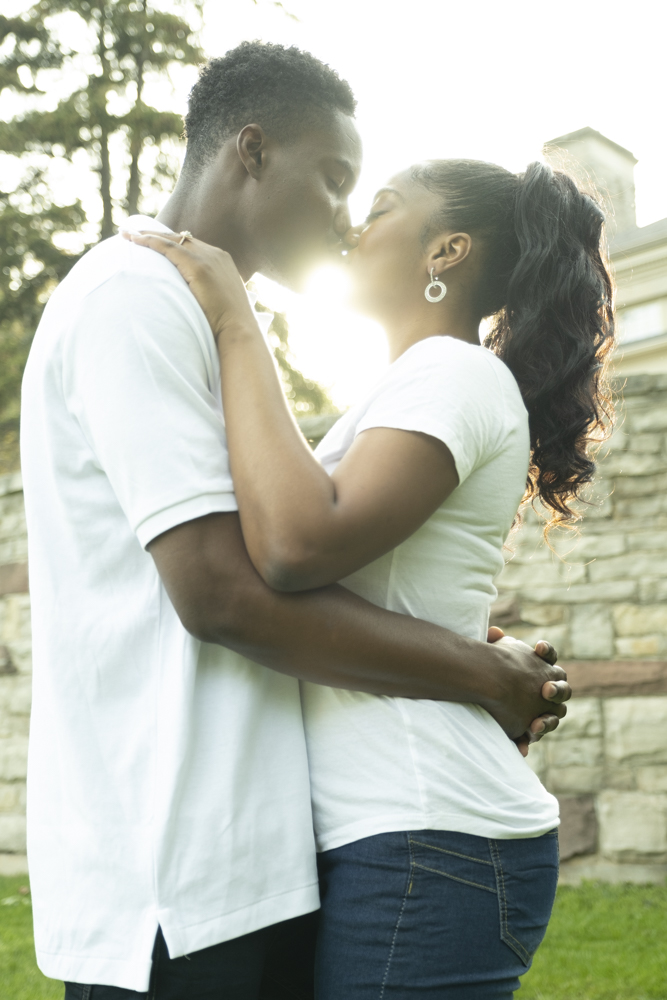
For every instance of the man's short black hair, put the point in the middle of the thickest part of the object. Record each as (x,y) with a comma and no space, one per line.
(284,90)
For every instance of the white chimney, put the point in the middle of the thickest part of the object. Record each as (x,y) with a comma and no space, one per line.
(590,156)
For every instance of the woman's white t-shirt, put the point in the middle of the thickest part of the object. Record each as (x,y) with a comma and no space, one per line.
(380,764)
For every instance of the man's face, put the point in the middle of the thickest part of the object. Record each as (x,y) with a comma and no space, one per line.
(300,211)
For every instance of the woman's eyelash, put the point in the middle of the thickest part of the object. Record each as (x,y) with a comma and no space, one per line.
(373,215)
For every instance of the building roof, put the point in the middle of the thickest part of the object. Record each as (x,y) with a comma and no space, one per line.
(585,133)
(639,238)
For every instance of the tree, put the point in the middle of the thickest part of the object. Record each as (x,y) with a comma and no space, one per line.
(104,119)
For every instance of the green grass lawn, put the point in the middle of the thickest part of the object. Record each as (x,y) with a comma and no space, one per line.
(604,943)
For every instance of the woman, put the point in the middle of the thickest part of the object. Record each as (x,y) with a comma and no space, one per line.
(438,844)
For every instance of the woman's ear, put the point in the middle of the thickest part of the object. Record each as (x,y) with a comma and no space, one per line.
(448,251)
(251,144)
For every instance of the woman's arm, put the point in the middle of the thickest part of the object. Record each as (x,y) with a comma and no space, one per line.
(303,528)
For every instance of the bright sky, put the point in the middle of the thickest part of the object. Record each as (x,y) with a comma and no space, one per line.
(477,79)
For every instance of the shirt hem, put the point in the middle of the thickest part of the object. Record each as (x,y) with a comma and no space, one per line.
(135,975)
(453,824)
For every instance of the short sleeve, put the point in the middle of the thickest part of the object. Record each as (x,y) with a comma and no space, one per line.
(140,375)
(447,389)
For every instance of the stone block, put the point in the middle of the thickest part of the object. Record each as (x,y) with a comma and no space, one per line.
(639,619)
(653,418)
(631,566)
(12,797)
(651,541)
(635,730)
(20,695)
(652,591)
(574,780)
(536,758)
(652,778)
(15,619)
(586,593)
(622,778)
(645,444)
(582,722)
(519,576)
(600,546)
(633,463)
(12,834)
(633,487)
(633,826)
(567,753)
(578,831)
(643,646)
(618,441)
(591,632)
(542,614)
(13,758)
(643,507)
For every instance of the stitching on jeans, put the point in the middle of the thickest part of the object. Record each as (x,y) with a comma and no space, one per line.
(465,881)
(408,888)
(455,854)
(87,990)
(502,898)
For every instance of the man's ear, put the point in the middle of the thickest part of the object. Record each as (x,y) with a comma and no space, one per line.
(448,251)
(251,144)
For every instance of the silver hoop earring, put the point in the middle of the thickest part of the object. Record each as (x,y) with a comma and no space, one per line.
(437,287)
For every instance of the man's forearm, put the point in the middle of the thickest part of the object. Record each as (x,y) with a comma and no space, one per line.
(331,636)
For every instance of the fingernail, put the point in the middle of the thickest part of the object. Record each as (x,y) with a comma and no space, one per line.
(130,232)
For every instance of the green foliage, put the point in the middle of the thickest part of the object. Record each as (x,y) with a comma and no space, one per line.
(30,267)
(130,42)
(306,398)
(604,943)
(20,979)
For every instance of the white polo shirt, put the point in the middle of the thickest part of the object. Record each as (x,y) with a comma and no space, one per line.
(168,779)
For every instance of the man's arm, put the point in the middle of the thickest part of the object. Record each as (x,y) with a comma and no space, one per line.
(331,636)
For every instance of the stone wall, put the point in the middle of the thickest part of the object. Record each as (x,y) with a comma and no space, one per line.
(15,666)
(600,597)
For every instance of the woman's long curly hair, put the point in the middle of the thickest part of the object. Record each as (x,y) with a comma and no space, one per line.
(546,285)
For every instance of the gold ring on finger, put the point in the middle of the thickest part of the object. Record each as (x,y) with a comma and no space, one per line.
(185,235)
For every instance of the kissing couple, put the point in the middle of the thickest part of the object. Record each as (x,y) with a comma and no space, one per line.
(275,750)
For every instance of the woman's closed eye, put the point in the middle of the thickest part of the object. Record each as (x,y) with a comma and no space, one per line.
(375,215)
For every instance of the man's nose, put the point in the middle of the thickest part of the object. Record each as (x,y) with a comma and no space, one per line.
(342,221)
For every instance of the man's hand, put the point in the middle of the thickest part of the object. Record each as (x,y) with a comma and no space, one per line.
(554,690)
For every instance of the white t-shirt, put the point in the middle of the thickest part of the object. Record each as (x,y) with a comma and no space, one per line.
(380,764)
(168,778)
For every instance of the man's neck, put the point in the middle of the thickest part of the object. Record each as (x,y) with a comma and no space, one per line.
(190,208)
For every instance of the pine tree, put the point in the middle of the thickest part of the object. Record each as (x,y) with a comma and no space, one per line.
(130,43)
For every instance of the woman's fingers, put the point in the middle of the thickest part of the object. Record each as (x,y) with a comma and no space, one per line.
(211,274)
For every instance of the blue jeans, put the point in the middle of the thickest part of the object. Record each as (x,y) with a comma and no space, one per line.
(275,963)
(431,914)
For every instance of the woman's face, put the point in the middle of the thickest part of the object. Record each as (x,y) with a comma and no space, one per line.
(389,267)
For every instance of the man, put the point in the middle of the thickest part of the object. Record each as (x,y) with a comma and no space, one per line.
(170,838)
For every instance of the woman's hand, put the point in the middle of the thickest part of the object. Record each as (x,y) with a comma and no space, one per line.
(212,277)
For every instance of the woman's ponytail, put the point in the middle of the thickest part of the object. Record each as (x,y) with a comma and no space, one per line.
(548,290)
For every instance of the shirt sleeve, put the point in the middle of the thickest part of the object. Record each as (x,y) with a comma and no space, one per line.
(449,390)
(140,374)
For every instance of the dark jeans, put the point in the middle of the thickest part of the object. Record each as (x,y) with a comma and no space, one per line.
(275,963)
(431,915)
